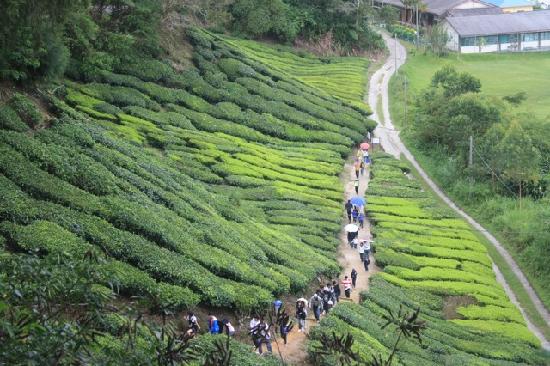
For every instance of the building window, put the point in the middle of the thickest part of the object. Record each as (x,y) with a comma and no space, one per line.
(545,36)
(467,41)
(508,38)
(487,40)
(530,37)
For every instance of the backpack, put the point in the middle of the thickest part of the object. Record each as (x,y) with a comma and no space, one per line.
(354,273)
(316,302)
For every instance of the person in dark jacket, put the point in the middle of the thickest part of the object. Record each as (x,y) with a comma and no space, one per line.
(353,277)
(348,206)
(337,291)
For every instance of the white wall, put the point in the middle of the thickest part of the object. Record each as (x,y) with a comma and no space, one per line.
(545,43)
(508,46)
(469,49)
(529,45)
(471,4)
(453,43)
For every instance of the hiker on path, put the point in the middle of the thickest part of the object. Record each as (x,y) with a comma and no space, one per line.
(366,256)
(354,243)
(357,166)
(277,305)
(355,214)
(356,185)
(264,335)
(301,315)
(316,304)
(366,158)
(359,154)
(193,324)
(346,283)
(328,297)
(228,327)
(353,277)
(214,325)
(254,322)
(348,206)
(285,327)
(361,219)
(336,287)
(362,166)
(361,250)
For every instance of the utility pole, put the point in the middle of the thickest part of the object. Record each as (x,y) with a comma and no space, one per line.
(395,51)
(417,28)
(405,85)
(471,154)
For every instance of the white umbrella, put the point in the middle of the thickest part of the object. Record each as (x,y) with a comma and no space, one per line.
(351,228)
(301,299)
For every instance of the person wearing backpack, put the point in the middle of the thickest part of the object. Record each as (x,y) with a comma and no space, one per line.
(327,295)
(316,303)
(355,214)
(213,325)
(361,219)
(264,333)
(301,315)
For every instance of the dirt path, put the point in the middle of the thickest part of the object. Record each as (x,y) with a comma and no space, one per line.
(295,352)
(389,138)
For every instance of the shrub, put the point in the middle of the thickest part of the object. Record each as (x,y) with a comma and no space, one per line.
(26,109)
(9,120)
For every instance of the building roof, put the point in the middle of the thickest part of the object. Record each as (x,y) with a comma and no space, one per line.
(511,3)
(476,11)
(437,7)
(506,23)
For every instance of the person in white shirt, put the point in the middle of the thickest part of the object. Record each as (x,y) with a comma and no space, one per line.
(252,329)
(361,250)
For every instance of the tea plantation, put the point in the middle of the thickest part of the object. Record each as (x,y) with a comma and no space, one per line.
(431,260)
(214,186)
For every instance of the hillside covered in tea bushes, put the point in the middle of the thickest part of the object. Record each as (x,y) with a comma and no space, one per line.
(433,261)
(217,185)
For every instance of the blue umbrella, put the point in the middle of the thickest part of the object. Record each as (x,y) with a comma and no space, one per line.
(358,201)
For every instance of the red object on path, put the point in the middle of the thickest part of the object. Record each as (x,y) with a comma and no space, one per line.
(364,146)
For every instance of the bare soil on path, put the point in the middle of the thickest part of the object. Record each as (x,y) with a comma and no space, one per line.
(391,142)
(295,352)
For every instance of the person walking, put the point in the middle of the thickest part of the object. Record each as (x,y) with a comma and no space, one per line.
(264,333)
(361,250)
(346,283)
(359,154)
(213,325)
(357,166)
(362,166)
(336,287)
(328,297)
(353,277)
(361,219)
(316,304)
(193,324)
(354,242)
(252,329)
(366,158)
(285,327)
(228,327)
(356,185)
(301,315)
(348,206)
(355,214)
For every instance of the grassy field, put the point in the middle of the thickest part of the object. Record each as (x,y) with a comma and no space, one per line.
(500,74)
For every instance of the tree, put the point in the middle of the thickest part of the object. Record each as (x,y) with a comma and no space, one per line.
(437,39)
(519,159)
(455,83)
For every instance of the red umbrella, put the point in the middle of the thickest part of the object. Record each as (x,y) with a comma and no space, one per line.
(364,146)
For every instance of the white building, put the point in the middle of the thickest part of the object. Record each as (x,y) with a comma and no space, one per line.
(522,31)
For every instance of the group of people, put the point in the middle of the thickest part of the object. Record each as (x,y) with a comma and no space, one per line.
(322,300)
(215,326)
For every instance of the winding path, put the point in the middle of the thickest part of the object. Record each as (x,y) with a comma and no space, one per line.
(389,138)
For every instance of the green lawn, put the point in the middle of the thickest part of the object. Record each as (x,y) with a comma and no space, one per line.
(500,74)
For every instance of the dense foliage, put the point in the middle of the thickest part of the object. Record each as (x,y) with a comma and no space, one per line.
(216,186)
(431,260)
(510,162)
